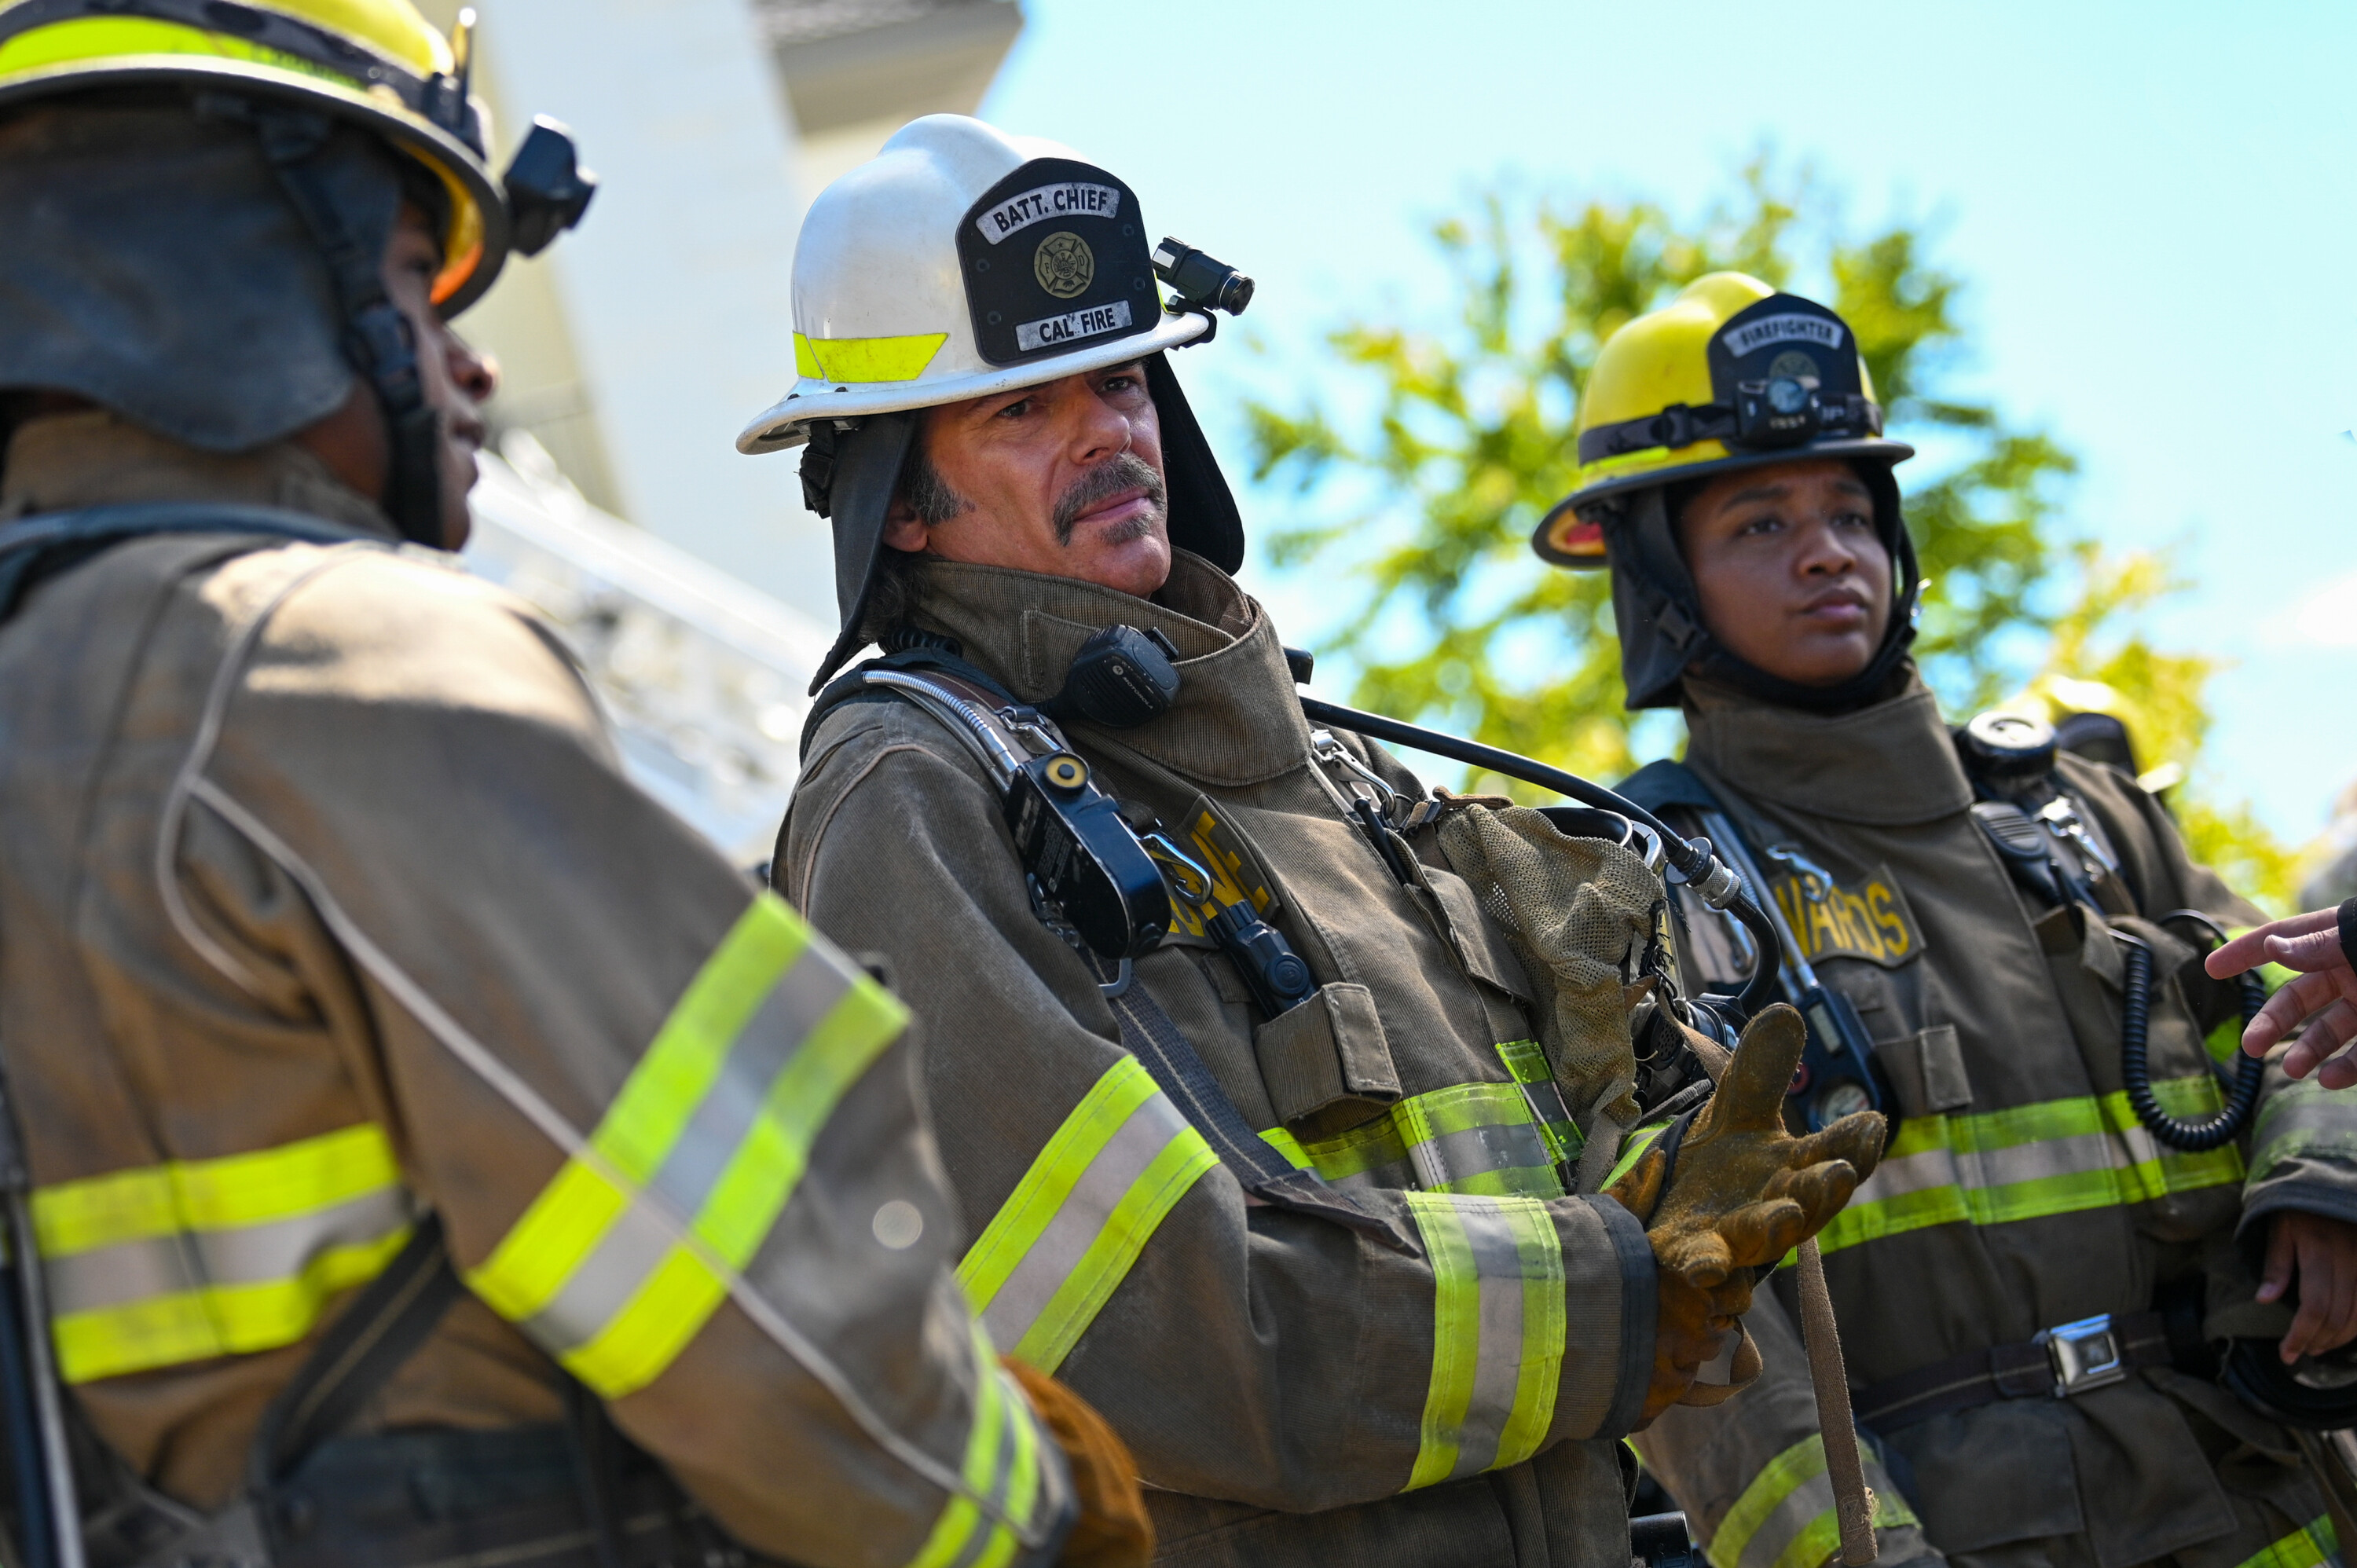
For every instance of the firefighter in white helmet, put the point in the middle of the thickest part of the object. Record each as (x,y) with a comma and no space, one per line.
(1240,1088)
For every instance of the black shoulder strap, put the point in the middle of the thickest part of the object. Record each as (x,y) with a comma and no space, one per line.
(51,541)
(379,1328)
(1148,1032)
(1668,783)
(852,686)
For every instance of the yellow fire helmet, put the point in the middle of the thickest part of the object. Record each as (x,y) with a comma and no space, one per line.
(376,63)
(1728,375)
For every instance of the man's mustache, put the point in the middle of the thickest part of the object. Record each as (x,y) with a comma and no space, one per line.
(1126,471)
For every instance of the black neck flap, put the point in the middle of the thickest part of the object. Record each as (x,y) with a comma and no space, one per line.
(302,147)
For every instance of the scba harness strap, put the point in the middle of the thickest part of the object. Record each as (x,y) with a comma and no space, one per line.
(968,702)
(570,1495)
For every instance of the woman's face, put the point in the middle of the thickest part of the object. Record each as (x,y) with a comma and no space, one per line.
(1792,576)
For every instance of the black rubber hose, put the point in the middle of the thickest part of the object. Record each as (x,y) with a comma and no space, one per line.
(2136,1023)
(20,1418)
(1692,861)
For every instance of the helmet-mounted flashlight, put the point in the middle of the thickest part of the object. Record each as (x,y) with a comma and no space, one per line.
(548,190)
(1785,411)
(1201,281)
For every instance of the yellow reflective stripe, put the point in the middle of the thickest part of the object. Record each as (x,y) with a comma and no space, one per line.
(292,1179)
(1526,1063)
(2302,1121)
(1002,1463)
(867,359)
(1498,1327)
(216,1320)
(195,1258)
(1478,1138)
(1785,1517)
(1287,1145)
(1634,1149)
(714,1127)
(2030,1162)
(1370,1154)
(122,40)
(1081,1215)
(2310,1546)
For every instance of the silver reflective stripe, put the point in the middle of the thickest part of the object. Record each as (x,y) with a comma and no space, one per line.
(2303,1120)
(1498,1324)
(640,1239)
(1055,1256)
(1498,1368)
(604,1284)
(804,995)
(191,1260)
(1910,1173)
(1794,1513)
(1451,1157)
(2083,1154)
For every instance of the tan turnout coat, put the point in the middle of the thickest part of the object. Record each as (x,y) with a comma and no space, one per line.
(234,1017)
(1277,1376)
(2017,1191)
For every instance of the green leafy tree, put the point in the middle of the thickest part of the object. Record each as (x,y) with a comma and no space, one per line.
(1459,436)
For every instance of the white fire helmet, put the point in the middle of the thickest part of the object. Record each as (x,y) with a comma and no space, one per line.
(959,263)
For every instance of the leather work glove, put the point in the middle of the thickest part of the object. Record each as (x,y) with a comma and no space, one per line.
(1742,1192)
(1113,1530)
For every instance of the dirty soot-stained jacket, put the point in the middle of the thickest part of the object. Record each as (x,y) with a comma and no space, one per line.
(2019,1191)
(1293,1393)
(235,1120)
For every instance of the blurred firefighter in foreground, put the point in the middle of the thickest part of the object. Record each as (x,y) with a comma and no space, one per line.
(437,1152)
(2000,944)
(1271,1132)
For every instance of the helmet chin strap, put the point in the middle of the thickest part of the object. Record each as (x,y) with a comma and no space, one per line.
(378,340)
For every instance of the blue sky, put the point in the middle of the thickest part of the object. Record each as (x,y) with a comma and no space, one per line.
(2155,206)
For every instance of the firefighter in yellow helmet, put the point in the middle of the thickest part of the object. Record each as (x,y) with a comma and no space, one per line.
(2066,1295)
(422,1147)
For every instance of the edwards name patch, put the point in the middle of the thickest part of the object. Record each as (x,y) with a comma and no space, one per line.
(1870,920)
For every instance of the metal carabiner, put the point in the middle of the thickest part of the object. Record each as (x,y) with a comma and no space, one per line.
(1189,879)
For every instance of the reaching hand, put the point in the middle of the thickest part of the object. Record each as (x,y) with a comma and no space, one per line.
(2321,1255)
(1744,1192)
(2325,994)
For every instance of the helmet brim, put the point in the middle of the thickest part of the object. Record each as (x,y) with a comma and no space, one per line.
(408,133)
(1542,545)
(781,426)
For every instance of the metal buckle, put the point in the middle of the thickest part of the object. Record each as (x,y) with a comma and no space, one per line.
(2088,1354)
(2059,815)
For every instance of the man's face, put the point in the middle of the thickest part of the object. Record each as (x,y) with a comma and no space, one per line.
(457,380)
(1063,479)
(1792,575)
(355,442)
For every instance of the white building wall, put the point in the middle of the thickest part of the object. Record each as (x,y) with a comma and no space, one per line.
(675,289)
